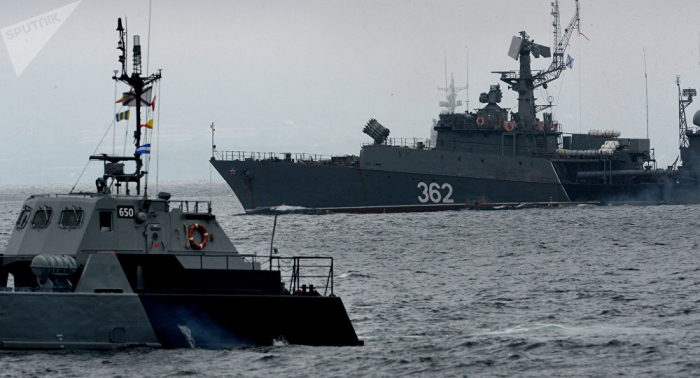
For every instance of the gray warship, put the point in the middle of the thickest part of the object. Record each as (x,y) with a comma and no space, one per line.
(112,269)
(490,157)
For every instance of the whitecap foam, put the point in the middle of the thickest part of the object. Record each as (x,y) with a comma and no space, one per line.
(545,329)
(280,342)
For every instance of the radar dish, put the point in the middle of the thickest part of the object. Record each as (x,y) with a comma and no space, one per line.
(696,118)
(515,45)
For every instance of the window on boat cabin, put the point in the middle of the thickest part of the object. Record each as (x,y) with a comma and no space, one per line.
(42,217)
(106,221)
(23,217)
(71,218)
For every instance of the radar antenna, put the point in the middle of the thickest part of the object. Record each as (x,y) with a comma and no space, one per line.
(685,98)
(524,81)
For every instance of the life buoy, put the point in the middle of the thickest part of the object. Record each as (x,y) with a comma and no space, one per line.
(509,126)
(539,126)
(480,121)
(554,127)
(190,236)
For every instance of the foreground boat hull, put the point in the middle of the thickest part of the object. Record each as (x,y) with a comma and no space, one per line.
(36,320)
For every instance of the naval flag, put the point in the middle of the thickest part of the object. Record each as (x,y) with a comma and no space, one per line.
(129,98)
(145,149)
(122,115)
(569,61)
(149,124)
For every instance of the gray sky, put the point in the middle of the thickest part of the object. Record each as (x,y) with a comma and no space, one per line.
(305,76)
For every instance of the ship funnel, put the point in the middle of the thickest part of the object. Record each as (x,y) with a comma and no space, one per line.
(696,118)
(378,132)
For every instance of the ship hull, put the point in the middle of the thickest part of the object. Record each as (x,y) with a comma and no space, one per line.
(639,193)
(268,184)
(36,320)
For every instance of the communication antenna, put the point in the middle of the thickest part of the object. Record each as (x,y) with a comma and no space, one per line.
(213,148)
(451,102)
(114,111)
(148,49)
(646,87)
(445,68)
(467,78)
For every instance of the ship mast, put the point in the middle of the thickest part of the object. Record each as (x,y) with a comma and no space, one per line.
(451,102)
(113,169)
(451,96)
(524,81)
(685,98)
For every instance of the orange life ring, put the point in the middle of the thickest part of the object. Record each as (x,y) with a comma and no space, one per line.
(509,126)
(480,121)
(190,236)
(539,126)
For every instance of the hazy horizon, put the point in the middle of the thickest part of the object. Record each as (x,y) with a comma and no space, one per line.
(305,76)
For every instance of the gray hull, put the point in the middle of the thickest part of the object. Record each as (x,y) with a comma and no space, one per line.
(35,320)
(391,181)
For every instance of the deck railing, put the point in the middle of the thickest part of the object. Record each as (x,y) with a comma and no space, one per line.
(270,156)
(305,275)
(184,206)
(419,143)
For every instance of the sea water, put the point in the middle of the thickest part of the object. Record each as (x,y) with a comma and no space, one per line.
(562,291)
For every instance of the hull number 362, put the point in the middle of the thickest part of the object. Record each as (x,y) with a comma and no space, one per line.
(434,193)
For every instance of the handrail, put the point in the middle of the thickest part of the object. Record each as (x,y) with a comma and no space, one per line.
(418,143)
(288,157)
(272,156)
(184,206)
(296,285)
(300,272)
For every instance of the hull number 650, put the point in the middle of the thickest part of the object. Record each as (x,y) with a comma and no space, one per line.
(433,193)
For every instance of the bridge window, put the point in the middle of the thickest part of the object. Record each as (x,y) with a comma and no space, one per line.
(42,217)
(106,221)
(23,217)
(71,218)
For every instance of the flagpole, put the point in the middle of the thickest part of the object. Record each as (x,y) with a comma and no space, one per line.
(114,111)
(157,140)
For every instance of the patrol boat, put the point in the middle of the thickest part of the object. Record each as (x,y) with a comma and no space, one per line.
(484,158)
(112,269)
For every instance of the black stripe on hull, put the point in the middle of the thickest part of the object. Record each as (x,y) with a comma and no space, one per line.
(224,321)
(643,194)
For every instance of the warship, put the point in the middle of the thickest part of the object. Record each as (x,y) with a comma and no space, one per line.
(111,269)
(489,157)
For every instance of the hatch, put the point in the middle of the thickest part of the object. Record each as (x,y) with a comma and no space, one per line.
(154,238)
